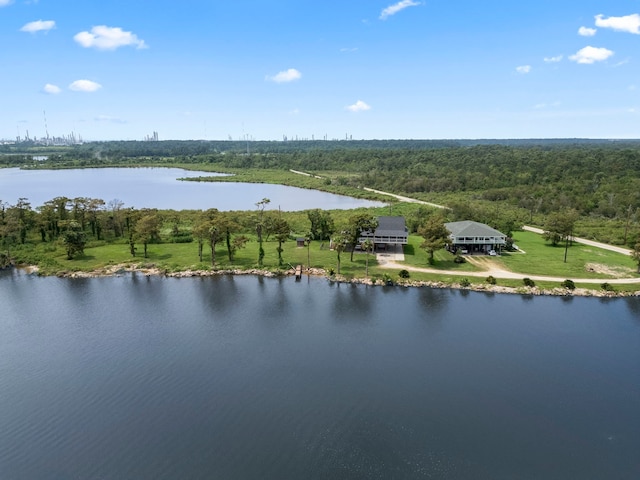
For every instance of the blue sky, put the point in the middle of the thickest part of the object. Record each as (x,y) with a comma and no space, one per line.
(368,69)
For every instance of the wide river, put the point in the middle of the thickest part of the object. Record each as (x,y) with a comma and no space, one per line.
(138,377)
(159,188)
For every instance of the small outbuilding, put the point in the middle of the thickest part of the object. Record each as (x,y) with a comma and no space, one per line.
(475,237)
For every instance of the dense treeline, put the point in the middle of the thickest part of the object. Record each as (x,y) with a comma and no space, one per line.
(599,179)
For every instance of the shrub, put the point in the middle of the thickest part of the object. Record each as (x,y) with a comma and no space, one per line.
(528,282)
(332,272)
(387,280)
(464,283)
(459,259)
(491,280)
(403,274)
(607,287)
(569,284)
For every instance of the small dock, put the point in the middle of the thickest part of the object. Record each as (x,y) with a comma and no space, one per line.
(298,272)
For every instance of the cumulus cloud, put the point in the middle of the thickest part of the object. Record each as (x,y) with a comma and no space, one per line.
(556,59)
(587,32)
(38,26)
(85,86)
(4,3)
(359,106)
(628,23)
(285,76)
(108,38)
(589,55)
(51,89)
(397,7)
(523,69)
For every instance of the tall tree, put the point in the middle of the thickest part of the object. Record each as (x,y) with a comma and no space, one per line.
(559,227)
(259,227)
(281,230)
(435,235)
(359,223)
(238,242)
(322,226)
(94,207)
(73,238)
(209,227)
(635,254)
(116,217)
(24,217)
(367,246)
(10,229)
(340,242)
(147,229)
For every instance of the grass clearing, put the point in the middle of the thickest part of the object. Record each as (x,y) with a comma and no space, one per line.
(583,261)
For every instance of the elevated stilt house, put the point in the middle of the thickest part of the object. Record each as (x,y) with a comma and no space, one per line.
(475,237)
(391,232)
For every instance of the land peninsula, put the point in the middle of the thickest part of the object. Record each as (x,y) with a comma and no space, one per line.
(586,190)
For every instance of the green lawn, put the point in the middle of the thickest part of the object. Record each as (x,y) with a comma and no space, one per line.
(582,261)
(183,256)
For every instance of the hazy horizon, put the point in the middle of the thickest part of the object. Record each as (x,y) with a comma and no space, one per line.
(358,70)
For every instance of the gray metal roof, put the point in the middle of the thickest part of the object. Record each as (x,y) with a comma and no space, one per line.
(467,228)
(390,227)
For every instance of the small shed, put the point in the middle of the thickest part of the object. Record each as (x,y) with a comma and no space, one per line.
(300,242)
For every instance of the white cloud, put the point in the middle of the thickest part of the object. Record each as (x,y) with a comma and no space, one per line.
(285,76)
(108,118)
(38,26)
(556,59)
(396,7)
(540,106)
(349,50)
(108,38)
(587,32)
(359,106)
(4,3)
(589,55)
(51,89)
(628,23)
(523,69)
(85,86)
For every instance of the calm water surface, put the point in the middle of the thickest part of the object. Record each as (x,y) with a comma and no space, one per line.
(154,378)
(159,188)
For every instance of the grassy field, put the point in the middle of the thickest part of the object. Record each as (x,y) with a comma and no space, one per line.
(582,261)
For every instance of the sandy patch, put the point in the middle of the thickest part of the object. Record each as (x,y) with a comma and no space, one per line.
(607,270)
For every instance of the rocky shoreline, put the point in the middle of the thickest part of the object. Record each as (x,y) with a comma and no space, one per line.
(152,270)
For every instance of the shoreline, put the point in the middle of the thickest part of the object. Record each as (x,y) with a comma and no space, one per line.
(152,270)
